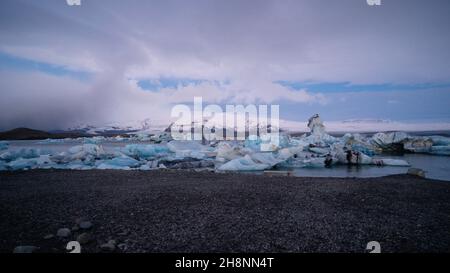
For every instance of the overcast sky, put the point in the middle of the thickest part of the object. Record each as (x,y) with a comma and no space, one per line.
(111,60)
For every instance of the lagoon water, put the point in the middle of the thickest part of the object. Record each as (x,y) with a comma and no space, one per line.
(436,167)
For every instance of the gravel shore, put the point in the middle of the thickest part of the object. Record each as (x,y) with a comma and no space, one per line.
(186,211)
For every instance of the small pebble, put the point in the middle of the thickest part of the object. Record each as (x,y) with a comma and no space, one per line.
(85,225)
(63,232)
(25,249)
(49,236)
(84,238)
(110,246)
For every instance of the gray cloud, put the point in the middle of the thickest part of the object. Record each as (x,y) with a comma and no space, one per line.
(249,43)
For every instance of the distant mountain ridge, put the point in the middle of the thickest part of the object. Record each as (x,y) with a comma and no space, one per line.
(31,134)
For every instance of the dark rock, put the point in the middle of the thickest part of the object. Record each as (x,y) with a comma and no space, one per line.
(85,225)
(85,238)
(63,232)
(49,236)
(25,249)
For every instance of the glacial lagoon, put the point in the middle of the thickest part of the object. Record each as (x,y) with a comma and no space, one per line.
(435,166)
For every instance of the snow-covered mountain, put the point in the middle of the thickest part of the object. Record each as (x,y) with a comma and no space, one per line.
(369,125)
(350,125)
(146,125)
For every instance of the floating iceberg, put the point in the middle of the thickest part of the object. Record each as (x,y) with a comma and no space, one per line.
(3,166)
(244,164)
(162,137)
(86,153)
(390,141)
(94,140)
(390,162)
(418,145)
(150,165)
(22,164)
(76,165)
(228,151)
(119,163)
(192,149)
(356,142)
(142,151)
(54,141)
(440,141)
(266,158)
(440,150)
(3,145)
(24,153)
(318,135)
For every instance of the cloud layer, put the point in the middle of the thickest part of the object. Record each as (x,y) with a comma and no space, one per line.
(239,49)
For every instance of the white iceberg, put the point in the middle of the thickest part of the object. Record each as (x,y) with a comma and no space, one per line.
(243,164)
(265,158)
(86,153)
(228,151)
(94,140)
(3,166)
(22,164)
(418,145)
(287,153)
(440,150)
(318,135)
(390,162)
(142,151)
(440,141)
(192,149)
(150,165)
(25,153)
(389,141)
(119,163)
(3,145)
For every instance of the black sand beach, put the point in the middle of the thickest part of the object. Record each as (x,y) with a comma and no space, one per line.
(180,211)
